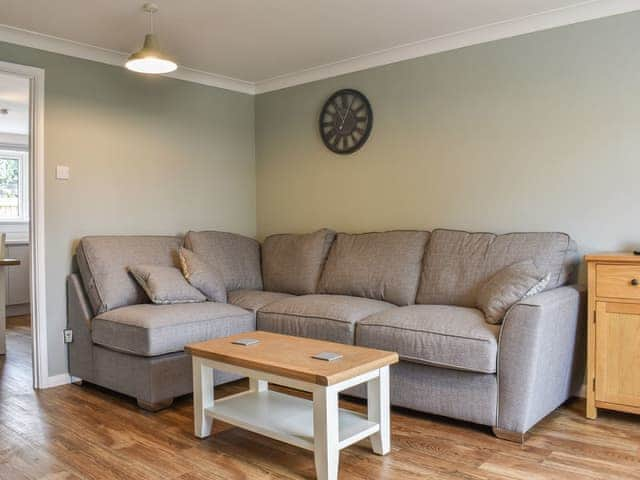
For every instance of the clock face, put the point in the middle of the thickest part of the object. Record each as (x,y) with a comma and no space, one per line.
(345,121)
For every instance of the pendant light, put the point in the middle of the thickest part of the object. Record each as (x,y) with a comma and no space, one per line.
(149,59)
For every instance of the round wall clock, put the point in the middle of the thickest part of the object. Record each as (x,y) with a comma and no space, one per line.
(345,121)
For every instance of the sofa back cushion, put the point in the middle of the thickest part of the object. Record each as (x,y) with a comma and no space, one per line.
(103,262)
(382,266)
(457,263)
(293,263)
(236,257)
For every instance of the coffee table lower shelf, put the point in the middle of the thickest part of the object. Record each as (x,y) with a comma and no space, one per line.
(286,418)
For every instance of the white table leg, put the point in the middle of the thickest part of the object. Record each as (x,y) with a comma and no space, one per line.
(202,397)
(379,411)
(325,433)
(256,385)
(3,310)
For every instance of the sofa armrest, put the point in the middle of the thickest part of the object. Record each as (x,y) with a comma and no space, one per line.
(541,356)
(79,315)
(78,303)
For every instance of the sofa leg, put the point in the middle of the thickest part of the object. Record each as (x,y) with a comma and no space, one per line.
(510,436)
(154,407)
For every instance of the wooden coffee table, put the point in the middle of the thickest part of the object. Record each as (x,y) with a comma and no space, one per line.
(318,425)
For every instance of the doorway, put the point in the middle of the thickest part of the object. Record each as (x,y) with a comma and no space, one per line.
(15,231)
(23,362)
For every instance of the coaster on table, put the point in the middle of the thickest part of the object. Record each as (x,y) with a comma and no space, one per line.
(245,342)
(327,356)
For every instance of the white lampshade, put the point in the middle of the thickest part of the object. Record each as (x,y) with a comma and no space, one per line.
(149,59)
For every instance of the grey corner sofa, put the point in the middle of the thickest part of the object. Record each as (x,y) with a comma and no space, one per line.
(413,292)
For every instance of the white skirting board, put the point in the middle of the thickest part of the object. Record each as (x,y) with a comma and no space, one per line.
(57,380)
(65,378)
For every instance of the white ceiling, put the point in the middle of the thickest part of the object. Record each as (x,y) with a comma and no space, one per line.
(258,40)
(14,96)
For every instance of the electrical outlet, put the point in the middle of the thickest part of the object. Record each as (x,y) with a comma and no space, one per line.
(68,336)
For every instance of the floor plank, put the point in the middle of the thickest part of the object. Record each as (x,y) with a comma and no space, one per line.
(86,432)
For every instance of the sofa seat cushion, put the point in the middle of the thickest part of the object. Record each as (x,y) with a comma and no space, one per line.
(437,335)
(254,300)
(149,330)
(324,317)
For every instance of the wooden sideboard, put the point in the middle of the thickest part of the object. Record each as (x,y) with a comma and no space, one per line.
(613,351)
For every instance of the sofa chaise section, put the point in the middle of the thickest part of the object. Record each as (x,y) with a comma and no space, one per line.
(126,344)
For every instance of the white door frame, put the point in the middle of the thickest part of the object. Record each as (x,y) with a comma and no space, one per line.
(36,218)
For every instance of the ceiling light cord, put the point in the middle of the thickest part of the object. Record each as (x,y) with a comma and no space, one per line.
(150,59)
(150,16)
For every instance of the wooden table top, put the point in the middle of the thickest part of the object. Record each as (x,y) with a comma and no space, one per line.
(6,262)
(291,357)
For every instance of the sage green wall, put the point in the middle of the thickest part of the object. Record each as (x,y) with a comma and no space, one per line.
(537,132)
(147,155)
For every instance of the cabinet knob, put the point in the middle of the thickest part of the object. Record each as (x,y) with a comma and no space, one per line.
(635,282)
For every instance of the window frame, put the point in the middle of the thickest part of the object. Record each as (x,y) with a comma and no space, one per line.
(23,188)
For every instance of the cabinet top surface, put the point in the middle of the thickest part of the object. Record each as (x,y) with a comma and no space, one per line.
(619,257)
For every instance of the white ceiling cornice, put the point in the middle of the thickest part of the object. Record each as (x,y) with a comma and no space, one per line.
(588,10)
(49,43)
(541,21)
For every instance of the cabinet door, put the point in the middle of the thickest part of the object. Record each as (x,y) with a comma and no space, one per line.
(18,276)
(618,353)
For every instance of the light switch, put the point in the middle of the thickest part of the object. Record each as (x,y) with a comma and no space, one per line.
(62,172)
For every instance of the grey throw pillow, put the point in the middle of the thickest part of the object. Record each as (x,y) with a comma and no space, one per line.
(202,275)
(164,285)
(509,286)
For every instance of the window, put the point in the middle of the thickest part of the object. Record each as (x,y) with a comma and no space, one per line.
(14,186)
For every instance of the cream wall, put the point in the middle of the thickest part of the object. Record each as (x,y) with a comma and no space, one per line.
(147,155)
(538,132)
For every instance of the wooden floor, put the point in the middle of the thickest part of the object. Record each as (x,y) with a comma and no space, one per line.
(75,432)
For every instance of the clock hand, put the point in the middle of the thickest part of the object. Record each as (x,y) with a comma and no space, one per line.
(347,113)
(338,110)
